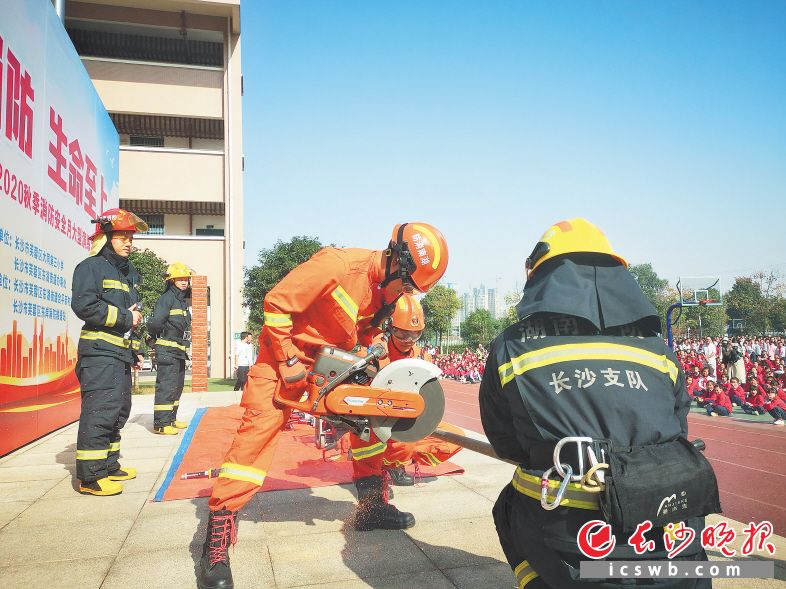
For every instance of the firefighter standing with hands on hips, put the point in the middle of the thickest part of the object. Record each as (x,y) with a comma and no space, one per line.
(336,298)
(170,325)
(105,297)
(586,359)
(374,458)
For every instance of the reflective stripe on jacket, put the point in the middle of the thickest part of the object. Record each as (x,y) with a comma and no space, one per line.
(327,300)
(170,322)
(101,297)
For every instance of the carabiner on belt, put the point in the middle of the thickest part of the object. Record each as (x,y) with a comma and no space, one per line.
(544,487)
(578,440)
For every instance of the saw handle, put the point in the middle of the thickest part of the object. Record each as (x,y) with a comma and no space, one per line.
(377,351)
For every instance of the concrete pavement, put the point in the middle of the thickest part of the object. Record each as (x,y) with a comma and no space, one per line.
(50,536)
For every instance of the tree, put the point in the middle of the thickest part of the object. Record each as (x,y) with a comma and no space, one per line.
(656,289)
(274,264)
(705,320)
(478,328)
(771,292)
(153,270)
(511,316)
(440,305)
(744,301)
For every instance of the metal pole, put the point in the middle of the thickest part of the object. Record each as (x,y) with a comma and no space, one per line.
(669,332)
(485,448)
(60,9)
(478,446)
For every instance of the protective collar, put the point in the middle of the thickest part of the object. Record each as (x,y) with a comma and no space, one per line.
(98,244)
(116,260)
(594,287)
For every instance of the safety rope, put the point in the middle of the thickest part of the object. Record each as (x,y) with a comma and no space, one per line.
(589,482)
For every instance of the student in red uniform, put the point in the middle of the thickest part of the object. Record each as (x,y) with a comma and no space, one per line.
(736,392)
(691,385)
(775,385)
(708,395)
(754,400)
(721,406)
(705,377)
(776,407)
(751,378)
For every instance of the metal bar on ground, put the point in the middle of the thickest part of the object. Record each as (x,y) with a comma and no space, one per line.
(485,448)
(478,446)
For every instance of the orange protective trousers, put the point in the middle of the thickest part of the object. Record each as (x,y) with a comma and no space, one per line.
(368,458)
(252,450)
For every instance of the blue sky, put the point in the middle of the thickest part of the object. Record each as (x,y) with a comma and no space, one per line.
(662,122)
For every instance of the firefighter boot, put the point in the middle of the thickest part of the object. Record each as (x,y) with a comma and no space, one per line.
(124,473)
(167,430)
(374,511)
(214,571)
(180,424)
(399,476)
(101,488)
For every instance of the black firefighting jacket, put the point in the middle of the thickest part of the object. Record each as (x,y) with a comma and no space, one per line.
(171,323)
(547,378)
(584,360)
(104,287)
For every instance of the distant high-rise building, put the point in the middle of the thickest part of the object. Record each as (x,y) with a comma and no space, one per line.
(492,302)
(479,295)
(469,304)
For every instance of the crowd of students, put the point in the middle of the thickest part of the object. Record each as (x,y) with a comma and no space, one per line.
(464,367)
(722,375)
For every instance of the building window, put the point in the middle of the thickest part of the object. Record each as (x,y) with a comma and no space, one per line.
(144,141)
(210,230)
(155,224)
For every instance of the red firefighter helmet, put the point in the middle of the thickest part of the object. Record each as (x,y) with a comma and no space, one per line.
(422,255)
(118,220)
(114,220)
(408,314)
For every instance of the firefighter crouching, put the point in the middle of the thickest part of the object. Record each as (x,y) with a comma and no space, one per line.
(104,296)
(402,331)
(170,326)
(586,359)
(336,298)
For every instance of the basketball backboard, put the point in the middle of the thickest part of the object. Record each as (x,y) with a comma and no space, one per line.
(700,290)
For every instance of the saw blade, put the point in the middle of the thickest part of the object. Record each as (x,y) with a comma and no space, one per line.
(417,376)
(402,429)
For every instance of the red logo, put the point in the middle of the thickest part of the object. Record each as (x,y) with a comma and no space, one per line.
(639,542)
(595,539)
(677,537)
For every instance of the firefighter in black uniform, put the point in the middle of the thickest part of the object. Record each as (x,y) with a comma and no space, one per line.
(585,359)
(171,325)
(105,297)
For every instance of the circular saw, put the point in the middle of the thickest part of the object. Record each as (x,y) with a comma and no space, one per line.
(415,376)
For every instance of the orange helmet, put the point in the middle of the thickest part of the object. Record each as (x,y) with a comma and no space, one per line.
(408,314)
(118,220)
(422,255)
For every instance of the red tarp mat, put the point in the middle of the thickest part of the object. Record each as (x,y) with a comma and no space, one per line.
(298,463)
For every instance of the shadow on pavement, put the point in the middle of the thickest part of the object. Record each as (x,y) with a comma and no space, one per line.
(363,552)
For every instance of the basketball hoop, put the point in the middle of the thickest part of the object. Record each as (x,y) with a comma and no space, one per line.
(708,302)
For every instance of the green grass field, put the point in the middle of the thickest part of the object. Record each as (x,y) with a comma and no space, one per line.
(213,385)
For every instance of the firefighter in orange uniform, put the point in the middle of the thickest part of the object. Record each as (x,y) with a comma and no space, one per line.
(370,458)
(335,298)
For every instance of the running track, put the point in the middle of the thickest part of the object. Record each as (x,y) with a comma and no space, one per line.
(747,457)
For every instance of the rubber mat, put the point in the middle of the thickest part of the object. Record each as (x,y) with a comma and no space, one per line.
(297,464)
